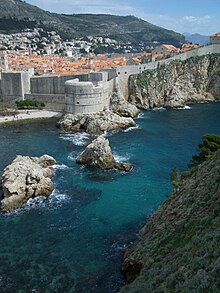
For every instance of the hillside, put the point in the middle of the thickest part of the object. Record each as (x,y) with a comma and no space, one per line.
(197,39)
(16,15)
(179,247)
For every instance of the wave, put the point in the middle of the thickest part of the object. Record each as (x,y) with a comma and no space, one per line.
(54,201)
(72,156)
(141,115)
(61,167)
(160,109)
(131,128)
(78,138)
(121,159)
(184,108)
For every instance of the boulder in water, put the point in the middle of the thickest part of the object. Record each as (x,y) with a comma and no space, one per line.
(96,123)
(26,177)
(98,154)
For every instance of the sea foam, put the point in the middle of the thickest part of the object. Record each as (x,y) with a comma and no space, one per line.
(160,109)
(61,167)
(121,159)
(78,138)
(131,128)
(55,200)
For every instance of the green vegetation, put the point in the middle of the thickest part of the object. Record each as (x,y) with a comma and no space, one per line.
(14,25)
(29,104)
(179,246)
(206,149)
(175,176)
(209,145)
(124,29)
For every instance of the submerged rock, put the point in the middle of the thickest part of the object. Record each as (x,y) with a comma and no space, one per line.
(99,154)
(122,107)
(96,123)
(26,177)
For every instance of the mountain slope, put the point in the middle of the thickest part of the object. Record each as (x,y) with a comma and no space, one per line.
(179,247)
(122,28)
(197,38)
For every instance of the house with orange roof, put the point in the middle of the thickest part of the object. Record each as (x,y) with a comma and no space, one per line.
(167,50)
(215,39)
(188,47)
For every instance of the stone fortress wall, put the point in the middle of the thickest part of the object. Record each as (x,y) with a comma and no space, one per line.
(124,72)
(82,93)
(88,97)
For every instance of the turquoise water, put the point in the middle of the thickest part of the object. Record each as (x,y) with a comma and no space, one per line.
(74,241)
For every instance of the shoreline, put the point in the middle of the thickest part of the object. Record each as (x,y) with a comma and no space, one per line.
(30,115)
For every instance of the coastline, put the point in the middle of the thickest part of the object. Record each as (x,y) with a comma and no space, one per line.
(29,115)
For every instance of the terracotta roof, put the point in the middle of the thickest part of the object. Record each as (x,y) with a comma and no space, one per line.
(216,35)
(171,47)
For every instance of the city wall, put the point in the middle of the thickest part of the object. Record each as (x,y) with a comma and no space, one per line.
(84,93)
(91,92)
(124,72)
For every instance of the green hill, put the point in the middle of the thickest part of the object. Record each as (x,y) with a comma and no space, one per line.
(16,15)
(178,250)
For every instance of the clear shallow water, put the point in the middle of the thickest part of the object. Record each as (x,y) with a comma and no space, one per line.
(74,241)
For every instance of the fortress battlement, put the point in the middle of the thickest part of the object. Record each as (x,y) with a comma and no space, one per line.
(80,93)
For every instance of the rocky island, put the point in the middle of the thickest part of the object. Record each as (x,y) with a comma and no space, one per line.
(25,178)
(98,154)
(178,249)
(96,123)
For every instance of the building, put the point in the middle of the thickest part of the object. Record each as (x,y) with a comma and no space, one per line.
(215,39)
(188,47)
(3,60)
(168,50)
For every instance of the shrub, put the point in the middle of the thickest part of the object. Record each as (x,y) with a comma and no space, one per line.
(175,176)
(29,104)
(210,144)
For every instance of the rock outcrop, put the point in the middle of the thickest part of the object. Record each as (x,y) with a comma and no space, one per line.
(99,154)
(96,123)
(122,107)
(177,83)
(25,178)
(178,248)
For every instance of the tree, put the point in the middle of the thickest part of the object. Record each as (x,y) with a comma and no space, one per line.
(175,176)
(210,144)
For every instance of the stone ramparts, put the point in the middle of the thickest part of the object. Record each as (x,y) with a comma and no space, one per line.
(51,89)
(124,72)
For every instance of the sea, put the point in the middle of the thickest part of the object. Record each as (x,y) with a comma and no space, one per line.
(74,240)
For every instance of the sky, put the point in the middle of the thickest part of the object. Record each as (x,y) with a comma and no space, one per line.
(193,16)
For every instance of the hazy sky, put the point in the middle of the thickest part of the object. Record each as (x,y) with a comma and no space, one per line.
(194,16)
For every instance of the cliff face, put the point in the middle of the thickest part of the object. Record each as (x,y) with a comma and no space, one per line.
(175,84)
(178,250)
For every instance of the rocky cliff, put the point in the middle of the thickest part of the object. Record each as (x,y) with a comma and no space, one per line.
(177,83)
(178,250)
(120,106)
(25,178)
